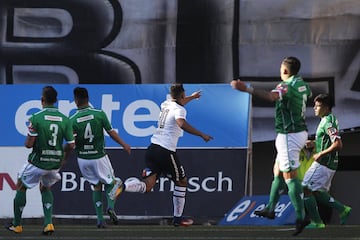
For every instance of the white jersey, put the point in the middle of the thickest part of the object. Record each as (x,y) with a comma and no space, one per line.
(168,132)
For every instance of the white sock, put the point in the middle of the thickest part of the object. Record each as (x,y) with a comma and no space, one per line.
(135,187)
(179,200)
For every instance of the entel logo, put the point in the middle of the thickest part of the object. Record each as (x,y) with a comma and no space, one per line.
(243,208)
(130,119)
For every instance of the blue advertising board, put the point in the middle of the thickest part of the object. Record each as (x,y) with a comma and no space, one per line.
(242,213)
(133,111)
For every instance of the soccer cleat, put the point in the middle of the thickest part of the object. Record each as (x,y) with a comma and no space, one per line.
(48,229)
(313,225)
(265,213)
(113,217)
(182,222)
(117,189)
(345,214)
(15,229)
(100,224)
(300,225)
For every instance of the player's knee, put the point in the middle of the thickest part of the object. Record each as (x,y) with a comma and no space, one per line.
(97,187)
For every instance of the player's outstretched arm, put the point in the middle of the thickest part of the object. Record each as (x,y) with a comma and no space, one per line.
(241,86)
(188,128)
(115,136)
(194,95)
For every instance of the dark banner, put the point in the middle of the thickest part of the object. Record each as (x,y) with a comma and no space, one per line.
(216,180)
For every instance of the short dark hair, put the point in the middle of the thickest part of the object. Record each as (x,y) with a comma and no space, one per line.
(81,95)
(176,90)
(293,64)
(49,94)
(325,99)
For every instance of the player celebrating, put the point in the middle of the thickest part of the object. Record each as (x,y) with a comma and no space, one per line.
(318,177)
(290,97)
(89,125)
(161,158)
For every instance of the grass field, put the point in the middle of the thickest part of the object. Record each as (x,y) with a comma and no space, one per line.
(196,232)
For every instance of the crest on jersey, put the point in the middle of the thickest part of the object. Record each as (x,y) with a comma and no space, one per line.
(282,88)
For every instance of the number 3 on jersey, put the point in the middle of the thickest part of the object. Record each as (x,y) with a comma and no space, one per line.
(54,128)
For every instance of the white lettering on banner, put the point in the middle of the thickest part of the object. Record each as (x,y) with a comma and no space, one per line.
(280,208)
(22,114)
(194,183)
(130,117)
(66,106)
(108,106)
(238,210)
(162,182)
(22,117)
(70,182)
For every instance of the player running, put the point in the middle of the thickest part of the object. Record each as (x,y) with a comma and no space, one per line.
(161,158)
(48,129)
(95,166)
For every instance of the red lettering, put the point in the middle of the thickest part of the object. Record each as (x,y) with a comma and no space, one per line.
(8,179)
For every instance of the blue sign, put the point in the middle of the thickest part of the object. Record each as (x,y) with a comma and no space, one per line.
(243,212)
(133,111)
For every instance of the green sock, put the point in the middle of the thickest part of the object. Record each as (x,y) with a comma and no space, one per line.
(48,202)
(325,198)
(97,200)
(277,187)
(110,203)
(312,208)
(19,204)
(295,195)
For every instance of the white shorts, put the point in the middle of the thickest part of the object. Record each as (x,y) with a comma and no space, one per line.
(288,147)
(97,170)
(31,176)
(318,177)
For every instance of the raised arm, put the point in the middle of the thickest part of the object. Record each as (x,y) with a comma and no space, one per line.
(194,95)
(241,86)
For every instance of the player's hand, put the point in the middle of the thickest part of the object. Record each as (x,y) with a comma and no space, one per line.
(238,85)
(127,148)
(316,156)
(206,137)
(196,95)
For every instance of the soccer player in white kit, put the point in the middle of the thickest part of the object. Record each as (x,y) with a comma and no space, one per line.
(161,158)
